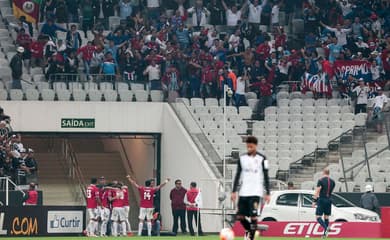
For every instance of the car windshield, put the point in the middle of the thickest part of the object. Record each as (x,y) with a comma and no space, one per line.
(341,202)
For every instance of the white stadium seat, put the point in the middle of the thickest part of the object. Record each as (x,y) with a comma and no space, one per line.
(16,95)
(79,95)
(110,95)
(141,95)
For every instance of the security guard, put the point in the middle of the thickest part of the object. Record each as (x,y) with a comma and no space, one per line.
(369,201)
(322,197)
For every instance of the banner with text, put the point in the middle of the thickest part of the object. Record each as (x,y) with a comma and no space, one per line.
(313,229)
(29,221)
(358,69)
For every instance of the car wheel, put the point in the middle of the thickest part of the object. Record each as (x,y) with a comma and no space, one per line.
(340,220)
(269,219)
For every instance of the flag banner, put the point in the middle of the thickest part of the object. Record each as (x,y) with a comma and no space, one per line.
(318,83)
(27,8)
(358,69)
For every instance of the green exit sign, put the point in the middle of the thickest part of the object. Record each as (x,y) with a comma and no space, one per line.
(77,123)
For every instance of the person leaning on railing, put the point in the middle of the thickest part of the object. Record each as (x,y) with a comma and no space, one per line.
(109,68)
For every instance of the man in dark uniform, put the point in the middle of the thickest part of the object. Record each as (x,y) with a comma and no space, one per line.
(322,197)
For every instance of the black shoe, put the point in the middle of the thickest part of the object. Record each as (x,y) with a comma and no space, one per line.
(326,233)
(192,234)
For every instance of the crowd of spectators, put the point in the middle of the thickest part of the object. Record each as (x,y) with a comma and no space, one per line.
(193,48)
(16,161)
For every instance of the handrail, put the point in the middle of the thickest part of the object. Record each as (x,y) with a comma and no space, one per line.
(198,124)
(8,181)
(216,171)
(193,118)
(75,173)
(332,140)
(366,160)
(128,164)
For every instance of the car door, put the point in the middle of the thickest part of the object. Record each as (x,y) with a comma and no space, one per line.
(286,207)
(306,209)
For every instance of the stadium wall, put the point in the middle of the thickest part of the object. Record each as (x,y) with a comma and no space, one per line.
(180,157)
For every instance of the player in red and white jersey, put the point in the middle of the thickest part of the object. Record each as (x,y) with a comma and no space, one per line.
(118,215)
(146,203)
(126,207)
(104,210)
(93,201)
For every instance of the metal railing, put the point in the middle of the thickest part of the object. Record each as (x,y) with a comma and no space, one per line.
(212,163)
(9,182)
(75,77)
(128,165)
(314,153)
(74,172)
(367,158)
(97,78)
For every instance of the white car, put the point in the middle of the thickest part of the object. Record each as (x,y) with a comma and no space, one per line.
(297,205)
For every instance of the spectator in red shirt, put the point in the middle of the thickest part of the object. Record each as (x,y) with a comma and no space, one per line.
(31,197)
(178,207)
(87,52)
(36,48)
(208,77)
(386,61)
(263,50)
(265,90)
(24,39)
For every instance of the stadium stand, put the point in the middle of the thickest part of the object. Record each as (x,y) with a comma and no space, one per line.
(16,159)
(280,68)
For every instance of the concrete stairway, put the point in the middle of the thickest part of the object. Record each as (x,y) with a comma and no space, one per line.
(344,147)
(53,181)
(52,176)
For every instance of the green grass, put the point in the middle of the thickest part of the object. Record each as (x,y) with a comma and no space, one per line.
(175,238)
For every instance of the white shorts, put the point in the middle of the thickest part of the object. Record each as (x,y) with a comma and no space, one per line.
(118,214)
(104,214)
(93,213)
(146,213)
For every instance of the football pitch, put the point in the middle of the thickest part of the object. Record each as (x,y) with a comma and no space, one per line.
(214,237)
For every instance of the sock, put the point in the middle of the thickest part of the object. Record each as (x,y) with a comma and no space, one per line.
(149,224)
(253,226)
(115,229)
(92,229)
(128,226)
(246,225)
(321,222)
(140,226)
(103,228)
(123,224)
(89,227)
(327,223)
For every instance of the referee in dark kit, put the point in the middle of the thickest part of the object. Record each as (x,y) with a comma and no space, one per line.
(322,198)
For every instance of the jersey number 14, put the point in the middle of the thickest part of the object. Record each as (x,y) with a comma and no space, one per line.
(147,196)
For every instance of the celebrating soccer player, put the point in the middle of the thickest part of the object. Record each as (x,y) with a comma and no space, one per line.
(118,215)
(104,210)
(146,204)
(253,171)
(93,201)
(126,207)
